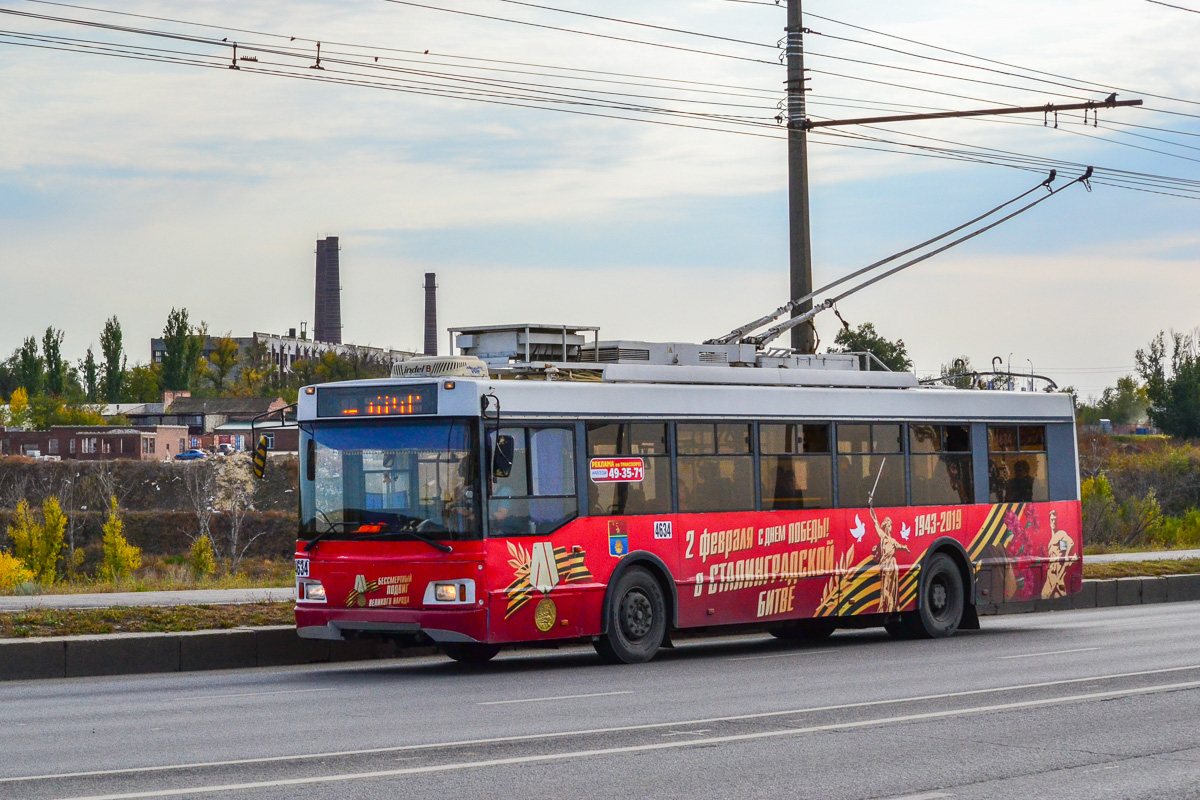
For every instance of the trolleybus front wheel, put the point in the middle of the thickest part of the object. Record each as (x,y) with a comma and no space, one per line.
(940,607)
(637,619)
(470,652)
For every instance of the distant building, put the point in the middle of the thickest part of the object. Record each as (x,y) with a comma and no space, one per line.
(284,351)
(327,319)
(98,443)
(202,415)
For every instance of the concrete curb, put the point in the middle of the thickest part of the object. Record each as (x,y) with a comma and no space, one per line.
(1110,593)
(137,653)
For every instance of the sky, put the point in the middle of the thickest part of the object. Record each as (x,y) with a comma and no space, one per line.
(128,187)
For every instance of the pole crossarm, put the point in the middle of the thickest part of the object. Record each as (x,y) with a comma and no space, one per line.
(1049,108)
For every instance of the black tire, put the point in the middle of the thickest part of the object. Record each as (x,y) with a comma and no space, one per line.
(637,619)
(470,652)
(804,630)
(940,606)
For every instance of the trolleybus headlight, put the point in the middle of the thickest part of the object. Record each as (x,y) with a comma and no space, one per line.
(310,592)
(445,592)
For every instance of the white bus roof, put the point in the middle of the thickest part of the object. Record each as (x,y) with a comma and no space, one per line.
(628,393)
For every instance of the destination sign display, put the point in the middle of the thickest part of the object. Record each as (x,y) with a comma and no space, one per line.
(408,401)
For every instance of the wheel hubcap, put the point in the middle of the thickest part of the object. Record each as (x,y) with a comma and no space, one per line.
(637,616)
(938,597)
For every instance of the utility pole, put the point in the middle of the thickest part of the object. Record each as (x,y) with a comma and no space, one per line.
(798,216)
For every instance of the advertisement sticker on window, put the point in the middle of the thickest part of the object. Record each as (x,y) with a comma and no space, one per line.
(618,470)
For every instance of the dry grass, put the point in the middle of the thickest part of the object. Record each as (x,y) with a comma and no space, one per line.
(171,574)
(1141,569)
(40,622)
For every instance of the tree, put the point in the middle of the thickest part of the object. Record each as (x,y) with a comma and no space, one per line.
(56,368)
(38,544)
(183,359)
(113,368)
(18,407)
(141,383)
(30,368)
(91,376)
(8,374)
(959,366)
(233,495)
(1124,404)
(223,360)
(120,557)
(1173,389)
(865,339)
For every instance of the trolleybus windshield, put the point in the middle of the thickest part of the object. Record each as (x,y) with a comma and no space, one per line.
(384,479)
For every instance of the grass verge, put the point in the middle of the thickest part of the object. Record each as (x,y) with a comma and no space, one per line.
(1141,569)
(39,622)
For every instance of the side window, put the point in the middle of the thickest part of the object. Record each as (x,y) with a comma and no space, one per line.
(1017,464)
(796,466)
(716,468)
(630,468)
(870,465)
(941,465)
(537,496)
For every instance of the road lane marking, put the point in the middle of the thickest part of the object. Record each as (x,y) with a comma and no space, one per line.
(687,733)
(247,694)
(923,796)
(592,731)
(547,699)
(781,655)
(1051,653)
(643,748)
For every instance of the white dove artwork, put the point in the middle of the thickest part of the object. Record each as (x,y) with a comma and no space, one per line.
(859,530)
(905,531)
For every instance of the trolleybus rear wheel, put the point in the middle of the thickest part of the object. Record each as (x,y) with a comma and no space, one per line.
(637,619)
(940,607)
(470,652)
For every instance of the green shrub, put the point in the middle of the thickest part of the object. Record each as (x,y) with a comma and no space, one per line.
(13,573)
(120,557)
(201,558)
(1134,520)
(38,545)
(1179,532)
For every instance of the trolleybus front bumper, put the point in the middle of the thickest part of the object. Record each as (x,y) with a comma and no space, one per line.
(459,625)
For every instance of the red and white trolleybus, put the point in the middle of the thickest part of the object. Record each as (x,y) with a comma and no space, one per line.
(597,495)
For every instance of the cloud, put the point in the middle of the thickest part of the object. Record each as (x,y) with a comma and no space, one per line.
(128,188)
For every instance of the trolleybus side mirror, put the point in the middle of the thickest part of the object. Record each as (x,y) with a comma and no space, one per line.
(260,457)
(502,457)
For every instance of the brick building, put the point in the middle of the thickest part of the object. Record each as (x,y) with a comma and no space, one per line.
(98,443)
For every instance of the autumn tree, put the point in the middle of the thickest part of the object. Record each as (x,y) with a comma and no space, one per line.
(222,362)
(141,383)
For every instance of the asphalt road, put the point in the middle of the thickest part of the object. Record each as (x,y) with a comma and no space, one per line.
(1086,704)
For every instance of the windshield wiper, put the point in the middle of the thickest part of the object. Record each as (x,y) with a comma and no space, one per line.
(333,528)
(420,537)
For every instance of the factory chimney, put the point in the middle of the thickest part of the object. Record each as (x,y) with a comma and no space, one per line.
(431,334)
(327,321)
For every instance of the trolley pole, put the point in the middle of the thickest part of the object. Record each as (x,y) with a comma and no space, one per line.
(798,214)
